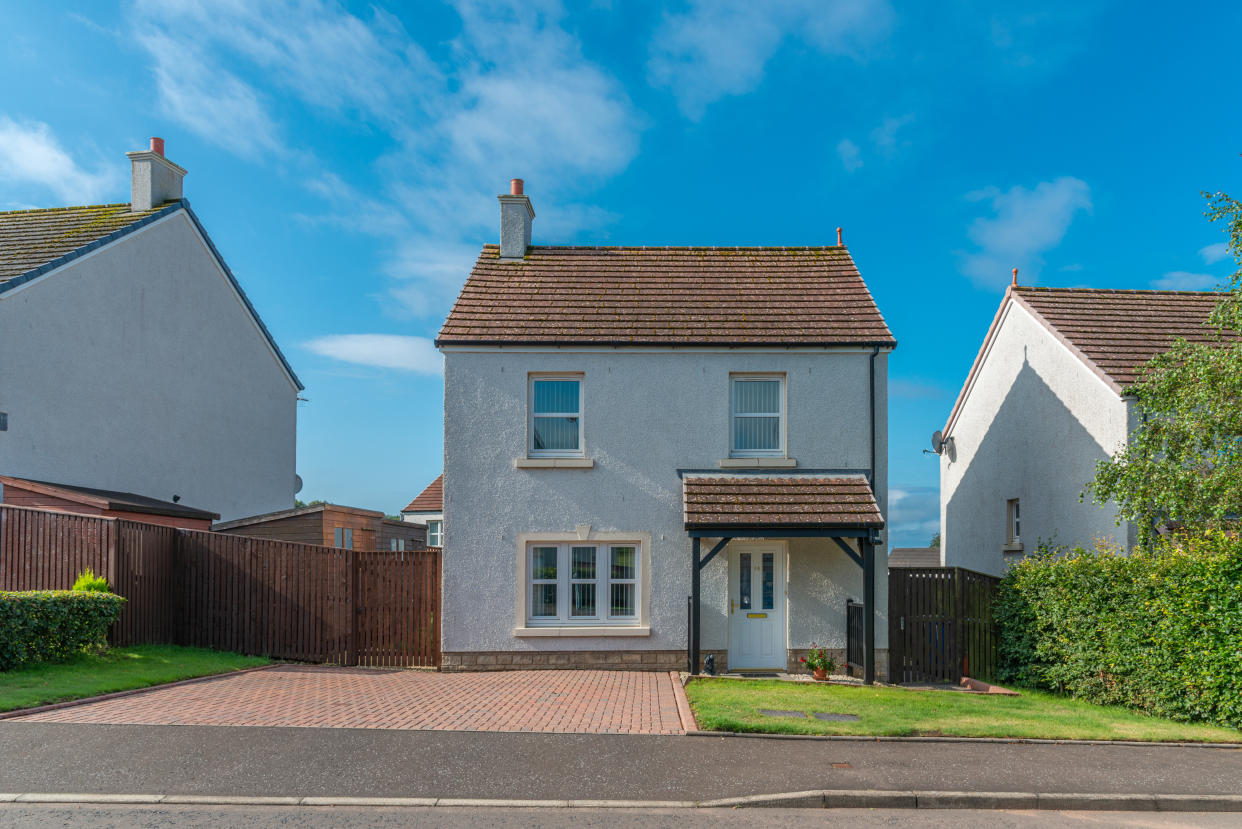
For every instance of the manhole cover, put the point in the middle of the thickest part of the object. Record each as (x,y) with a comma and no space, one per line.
(820,715)
(768,712)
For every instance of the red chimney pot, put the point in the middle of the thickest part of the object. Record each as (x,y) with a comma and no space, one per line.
(515,187)
(838,237)
(157,146)
(1015,276)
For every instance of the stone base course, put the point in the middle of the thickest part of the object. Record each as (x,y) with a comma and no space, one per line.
(562,660)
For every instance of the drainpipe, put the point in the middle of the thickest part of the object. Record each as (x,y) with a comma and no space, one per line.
(875,352)
(869,554)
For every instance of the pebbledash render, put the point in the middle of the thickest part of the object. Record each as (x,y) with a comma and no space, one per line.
(612,413)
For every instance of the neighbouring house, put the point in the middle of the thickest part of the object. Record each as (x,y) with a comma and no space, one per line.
(908,557)
(428,509)
(20,492)
(1043,403)
(650,450)
(133,361)
(331,525)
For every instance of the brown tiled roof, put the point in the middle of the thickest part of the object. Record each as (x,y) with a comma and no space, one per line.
(778,502)
(30,238)
(666,296)
(1117,332)
(430,499)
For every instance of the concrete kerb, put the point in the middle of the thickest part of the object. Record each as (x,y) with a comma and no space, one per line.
(862,738)
(815,799)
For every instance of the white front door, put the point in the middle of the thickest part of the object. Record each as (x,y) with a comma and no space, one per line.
(756,606)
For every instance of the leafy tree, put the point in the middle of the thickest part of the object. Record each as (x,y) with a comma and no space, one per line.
(1183,462)
(297,504)
(935,541)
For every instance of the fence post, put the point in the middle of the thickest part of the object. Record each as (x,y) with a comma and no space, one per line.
(351,653)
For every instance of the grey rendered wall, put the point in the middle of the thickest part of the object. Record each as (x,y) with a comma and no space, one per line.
(646,416)
(1033,427)
(138,369)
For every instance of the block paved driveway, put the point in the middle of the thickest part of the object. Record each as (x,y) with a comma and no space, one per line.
(592,702)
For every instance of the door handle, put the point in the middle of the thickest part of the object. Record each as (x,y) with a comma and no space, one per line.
(732,606)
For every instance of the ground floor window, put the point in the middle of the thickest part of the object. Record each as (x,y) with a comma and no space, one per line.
(580,582)
(435,533)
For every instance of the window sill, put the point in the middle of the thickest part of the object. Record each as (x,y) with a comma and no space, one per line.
(758,463)
(598,630)
(1011,548)
(554,463)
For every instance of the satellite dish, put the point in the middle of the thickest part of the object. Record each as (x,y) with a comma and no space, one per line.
(937,442)
(297,482)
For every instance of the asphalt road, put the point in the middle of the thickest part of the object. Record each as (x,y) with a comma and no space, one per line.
(56,757)
(162,817)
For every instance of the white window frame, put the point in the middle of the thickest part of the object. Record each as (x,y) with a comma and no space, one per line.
(782,398)
(1013,512)
(435,537)
(531,451)
(603,623)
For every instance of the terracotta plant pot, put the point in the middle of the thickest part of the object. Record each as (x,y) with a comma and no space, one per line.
(820,674)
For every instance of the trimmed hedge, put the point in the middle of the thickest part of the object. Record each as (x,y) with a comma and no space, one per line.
(1158,631)
(50,625)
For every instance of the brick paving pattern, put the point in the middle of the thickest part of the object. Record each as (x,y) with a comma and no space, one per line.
(595,702)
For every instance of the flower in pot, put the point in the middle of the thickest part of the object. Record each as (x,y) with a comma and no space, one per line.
(819,663)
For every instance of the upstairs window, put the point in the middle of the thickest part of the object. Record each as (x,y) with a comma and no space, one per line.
(757,415)
(435,533)
(1014,513)
(555,416)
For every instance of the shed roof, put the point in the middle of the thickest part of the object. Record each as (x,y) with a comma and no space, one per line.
(290,513)
(109,499)
(430,499)
(779,502)
(914,557)
(666,296)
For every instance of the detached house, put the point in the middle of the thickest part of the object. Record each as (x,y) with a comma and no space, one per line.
(655,450)
(1043,403)
(133,363)
(428,509)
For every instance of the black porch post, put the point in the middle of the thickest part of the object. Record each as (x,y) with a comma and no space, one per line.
(696,565)
(868,556)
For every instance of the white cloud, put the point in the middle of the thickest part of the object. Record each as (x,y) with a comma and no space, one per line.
(30,154)
(1186,281)
(511,95)
(416,354)
(913,515)
(719,48)
(1214,253)
(851,158)
(884,137)
(1025,224)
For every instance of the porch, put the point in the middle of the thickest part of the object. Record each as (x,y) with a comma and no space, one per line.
(787,539)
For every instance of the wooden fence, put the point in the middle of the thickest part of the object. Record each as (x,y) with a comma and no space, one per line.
(940,624)
(250,595)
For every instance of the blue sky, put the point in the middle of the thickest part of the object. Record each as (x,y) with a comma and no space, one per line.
(345,159)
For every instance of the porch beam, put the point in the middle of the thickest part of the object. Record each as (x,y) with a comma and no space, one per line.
(868,566)
(780,532)
(720,545)
(696,567)
(848,550)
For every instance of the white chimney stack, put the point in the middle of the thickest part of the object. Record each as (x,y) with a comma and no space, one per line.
(155,179)
(516,215)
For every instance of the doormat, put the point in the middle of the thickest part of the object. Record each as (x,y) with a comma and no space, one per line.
(820,715)
(757,674)
(768,712)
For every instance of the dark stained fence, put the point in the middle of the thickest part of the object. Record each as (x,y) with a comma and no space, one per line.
(250,595)
(854,636)
(940,624)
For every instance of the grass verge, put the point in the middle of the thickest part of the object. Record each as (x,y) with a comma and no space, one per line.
(733,705)
(118,669)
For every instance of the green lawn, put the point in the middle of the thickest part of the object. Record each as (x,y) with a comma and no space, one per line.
(733,705)
(119,669)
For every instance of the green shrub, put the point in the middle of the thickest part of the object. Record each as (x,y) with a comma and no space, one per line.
(87,580)
(1157,631)
(49,625)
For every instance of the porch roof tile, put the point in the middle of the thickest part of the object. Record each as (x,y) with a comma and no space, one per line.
(784,502)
